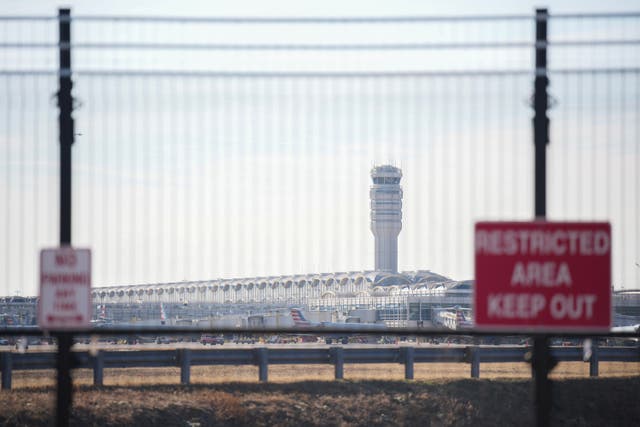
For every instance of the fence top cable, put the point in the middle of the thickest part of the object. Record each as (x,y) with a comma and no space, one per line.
(304,74)
(276,19)
(306,19)
(314,74)
(313,46)
(28,17)
(276,46)
(596,15)
(322,19)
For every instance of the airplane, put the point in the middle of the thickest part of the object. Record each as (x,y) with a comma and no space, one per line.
(131,335)
(453,318)
(150,322)
(102,319)
(631,328)
(464,320)
(300,321)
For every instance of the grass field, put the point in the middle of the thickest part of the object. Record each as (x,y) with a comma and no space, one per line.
(442,394)
(443,402)
(291,373)
(294,373)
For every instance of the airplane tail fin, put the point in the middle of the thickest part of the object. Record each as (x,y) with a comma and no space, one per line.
(462,320)
(298,317)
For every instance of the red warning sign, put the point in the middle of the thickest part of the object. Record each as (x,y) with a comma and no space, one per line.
(543,276)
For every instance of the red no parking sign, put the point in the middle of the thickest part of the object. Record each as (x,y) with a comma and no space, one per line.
(65,289)
(543,276)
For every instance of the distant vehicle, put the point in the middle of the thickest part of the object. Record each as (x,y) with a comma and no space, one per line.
(455,318)
(22,343)
(99,323)
(301,322)
(4,341)
(273,339)
(163,340)
(387,340)
(244,339)
(307,339)
(211,340)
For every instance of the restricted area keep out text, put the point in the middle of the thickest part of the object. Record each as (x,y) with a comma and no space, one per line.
(546,275)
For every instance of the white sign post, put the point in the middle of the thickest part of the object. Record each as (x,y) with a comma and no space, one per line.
(65,289)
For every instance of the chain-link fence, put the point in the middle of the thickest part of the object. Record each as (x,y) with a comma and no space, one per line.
(241,147)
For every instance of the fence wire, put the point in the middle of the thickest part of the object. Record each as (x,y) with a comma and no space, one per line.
(239,147)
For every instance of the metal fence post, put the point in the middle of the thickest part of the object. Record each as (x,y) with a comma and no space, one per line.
(593,360)
(98,369)
(63,367)
(337,354)
(540,119)
(6,364)
(65,105)
(474,358)
(184,356)
(408,363)
(542,361)
(263,364)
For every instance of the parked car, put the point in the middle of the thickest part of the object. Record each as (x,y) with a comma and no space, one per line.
(163,340)
(4,341)
(211,340)
(244,339)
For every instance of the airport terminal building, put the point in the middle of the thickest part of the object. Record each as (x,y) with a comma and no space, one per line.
(382,295)
(383,290)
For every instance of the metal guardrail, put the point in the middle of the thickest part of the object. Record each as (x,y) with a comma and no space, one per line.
(337,356)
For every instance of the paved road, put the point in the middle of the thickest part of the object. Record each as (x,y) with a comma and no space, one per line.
(228,345)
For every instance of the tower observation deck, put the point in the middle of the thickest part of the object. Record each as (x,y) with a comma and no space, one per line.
(386,215)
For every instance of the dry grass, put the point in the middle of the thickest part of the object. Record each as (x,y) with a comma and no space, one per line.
(443,402)
(296,373)
(371,395)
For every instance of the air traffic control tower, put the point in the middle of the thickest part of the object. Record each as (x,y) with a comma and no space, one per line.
(386,215)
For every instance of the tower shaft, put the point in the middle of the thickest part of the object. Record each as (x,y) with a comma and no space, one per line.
(386,215)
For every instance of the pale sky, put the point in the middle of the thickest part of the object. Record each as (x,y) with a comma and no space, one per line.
(308,8)
(195,178)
